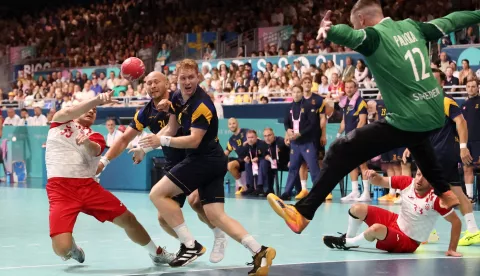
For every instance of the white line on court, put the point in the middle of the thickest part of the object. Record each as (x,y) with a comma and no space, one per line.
(321,262)
(5,246)
(34,244)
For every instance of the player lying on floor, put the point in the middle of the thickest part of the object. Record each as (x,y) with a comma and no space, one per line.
(398,233)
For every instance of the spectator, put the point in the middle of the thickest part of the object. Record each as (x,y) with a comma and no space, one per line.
(113,134)
(444,63)
(331,69)
(12,118)
(470,37)
(323,86)
(38,119)
(466,71)
(349,72)
(361,72)
(450,79)
(25,119)
(210,52)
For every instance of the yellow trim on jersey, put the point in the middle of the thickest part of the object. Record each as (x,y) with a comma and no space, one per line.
(173,108)
(361,106)
(138,125)
(229,147)
(320,109)
(447,102)
(202,109)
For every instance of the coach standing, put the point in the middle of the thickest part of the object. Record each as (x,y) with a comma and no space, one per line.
(300,123)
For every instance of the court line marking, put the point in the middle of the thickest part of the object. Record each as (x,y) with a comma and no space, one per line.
(304,263)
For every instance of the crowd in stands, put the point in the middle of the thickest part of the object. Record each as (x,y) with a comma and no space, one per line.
(109,32)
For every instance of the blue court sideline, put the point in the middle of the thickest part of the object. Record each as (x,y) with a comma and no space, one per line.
(25,247)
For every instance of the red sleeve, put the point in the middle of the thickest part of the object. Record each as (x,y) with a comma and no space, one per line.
(442,211)
(98,138)
(400,182)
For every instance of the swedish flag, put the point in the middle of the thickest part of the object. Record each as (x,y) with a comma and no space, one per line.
(197,41)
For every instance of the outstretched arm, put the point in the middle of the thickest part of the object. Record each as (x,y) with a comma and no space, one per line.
(377,179)
(440,27)
(73,112)
(454,234)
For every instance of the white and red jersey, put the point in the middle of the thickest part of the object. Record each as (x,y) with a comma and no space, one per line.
(64,158)
(418,214)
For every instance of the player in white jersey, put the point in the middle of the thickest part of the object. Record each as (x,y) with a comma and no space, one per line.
(72,154)
(399,233)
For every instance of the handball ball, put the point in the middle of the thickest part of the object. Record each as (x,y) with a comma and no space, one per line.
(133,68)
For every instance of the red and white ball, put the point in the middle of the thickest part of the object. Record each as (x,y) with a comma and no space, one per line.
(133,68)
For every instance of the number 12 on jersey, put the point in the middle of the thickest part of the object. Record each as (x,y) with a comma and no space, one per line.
(409,56)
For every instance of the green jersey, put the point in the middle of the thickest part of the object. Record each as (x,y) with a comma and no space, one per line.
(397,56)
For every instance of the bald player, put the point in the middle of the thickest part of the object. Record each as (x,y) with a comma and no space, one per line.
(149,117)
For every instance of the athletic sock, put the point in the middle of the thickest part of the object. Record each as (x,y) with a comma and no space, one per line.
(366,187)
(353,225)
(356,241)
(304,184)
(354,186)
(469,188)
(218,233)
(151,248)
(471,223)
(238,183)
(184,235)
(249,242)
(391,192)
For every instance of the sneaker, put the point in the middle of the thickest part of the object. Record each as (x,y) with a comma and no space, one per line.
(365,197)
(351,196)
(337,242)
(239,192)
(249,191)
(433,237)
(387,197)
(218,251)
(262,261)
(329,197)
(295,221)
(259,191)
(76,253)
(303,193)
(187,255)
(162,257)
(285,197)
(469,238)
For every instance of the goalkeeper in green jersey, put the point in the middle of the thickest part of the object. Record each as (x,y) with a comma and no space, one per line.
(397,56)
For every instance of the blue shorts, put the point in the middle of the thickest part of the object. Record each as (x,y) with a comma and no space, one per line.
(203,173)
(474,148)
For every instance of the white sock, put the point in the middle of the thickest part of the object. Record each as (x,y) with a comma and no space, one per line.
(184,235)
(238,183)
(366,187)
(151,248)
(304,184)
(354,186)
(218,233)
(249,242)
(471,223)
(391,192)
(356,241)
(353,226)
(469,188)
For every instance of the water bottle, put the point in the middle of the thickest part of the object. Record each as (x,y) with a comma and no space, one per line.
(8,177)
(375,193)
(227,186)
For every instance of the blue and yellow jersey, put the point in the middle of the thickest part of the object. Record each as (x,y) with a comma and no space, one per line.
(351,114)
(445,141)
(381,109)
(235,143)
(319,105)
(471,112)
(149,117)
(198,112)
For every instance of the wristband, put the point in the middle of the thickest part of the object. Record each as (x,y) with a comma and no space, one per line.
(145,150)
(165,140)
(463,145)
(338,135)
(104,160)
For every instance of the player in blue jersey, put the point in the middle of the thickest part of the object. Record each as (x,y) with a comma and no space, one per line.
(237,142)
(155,120)
(317,102)
(204,168)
